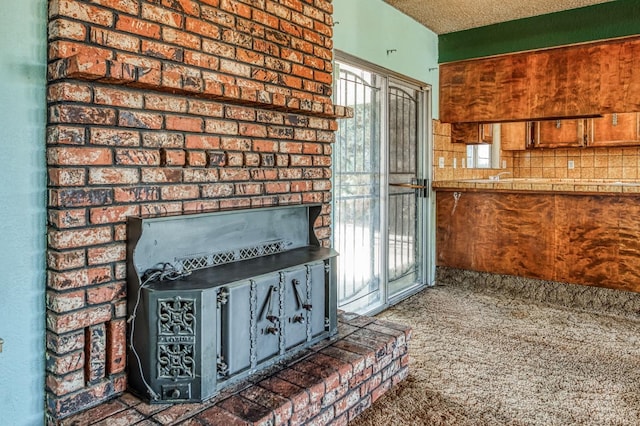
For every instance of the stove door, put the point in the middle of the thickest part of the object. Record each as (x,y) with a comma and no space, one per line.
(318,277)
(235,327)
(296,306)
(268,321)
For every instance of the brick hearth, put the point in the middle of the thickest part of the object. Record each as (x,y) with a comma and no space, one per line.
(331,384)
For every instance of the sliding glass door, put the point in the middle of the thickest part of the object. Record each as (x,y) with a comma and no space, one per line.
(379,164)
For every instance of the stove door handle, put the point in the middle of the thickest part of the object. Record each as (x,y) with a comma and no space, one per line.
(305,306)
(267,308)
(296,283)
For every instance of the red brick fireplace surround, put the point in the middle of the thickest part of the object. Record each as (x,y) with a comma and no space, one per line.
(168,106)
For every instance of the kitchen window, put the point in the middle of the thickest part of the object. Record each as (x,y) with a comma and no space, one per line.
(479,156)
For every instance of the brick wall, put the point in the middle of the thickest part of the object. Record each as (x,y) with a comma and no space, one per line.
(168,107)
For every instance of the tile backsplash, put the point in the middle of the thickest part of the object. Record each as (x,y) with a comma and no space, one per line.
(588,163)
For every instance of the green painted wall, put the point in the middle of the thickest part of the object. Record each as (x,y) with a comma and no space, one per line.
(606,20)
(23,41)
(366,29)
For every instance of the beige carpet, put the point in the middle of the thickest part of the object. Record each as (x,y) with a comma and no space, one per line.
(489,357)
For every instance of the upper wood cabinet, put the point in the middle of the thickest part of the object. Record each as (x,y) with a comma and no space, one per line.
(559,134)
(614,130)
(471,133)
(515,136)
(572,81)
(610,130)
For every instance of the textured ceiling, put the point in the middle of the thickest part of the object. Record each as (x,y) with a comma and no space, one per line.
(446,16)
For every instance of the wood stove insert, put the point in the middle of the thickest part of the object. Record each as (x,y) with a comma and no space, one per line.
(215,297)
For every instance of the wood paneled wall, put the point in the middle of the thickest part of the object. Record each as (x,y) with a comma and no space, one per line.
(581,239)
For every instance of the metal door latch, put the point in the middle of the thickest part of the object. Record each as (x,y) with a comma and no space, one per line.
(1,343)
(271,330)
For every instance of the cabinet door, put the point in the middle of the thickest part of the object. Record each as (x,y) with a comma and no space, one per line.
(471,133)
(486,133)
(515,136)
(559,134)
(615,130)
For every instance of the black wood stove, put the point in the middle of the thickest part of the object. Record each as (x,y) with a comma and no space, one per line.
(215,297)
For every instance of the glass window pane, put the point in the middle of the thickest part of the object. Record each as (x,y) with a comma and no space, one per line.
(479,156)
(484,156)
(471,155)
(357,176)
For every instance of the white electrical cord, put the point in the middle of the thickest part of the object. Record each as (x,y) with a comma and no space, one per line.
(456,198)
(166,272)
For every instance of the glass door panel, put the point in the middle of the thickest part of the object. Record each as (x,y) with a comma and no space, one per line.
(406,190)
(357,198)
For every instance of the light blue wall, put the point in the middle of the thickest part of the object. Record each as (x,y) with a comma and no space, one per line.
(22,210)
(368,28)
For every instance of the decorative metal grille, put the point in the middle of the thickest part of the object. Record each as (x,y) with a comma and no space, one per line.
(176,316)
(195,263)
(221,258)
(176,338)
(213,259)
(222,368)
(175,361)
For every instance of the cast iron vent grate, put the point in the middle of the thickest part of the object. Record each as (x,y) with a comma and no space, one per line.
(202,261)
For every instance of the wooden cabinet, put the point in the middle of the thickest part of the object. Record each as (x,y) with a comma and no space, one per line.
(621,129)
(581,80)
(575,238)
(486,133)
(614,130)
(471,133)
(515,136)
(559,134)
